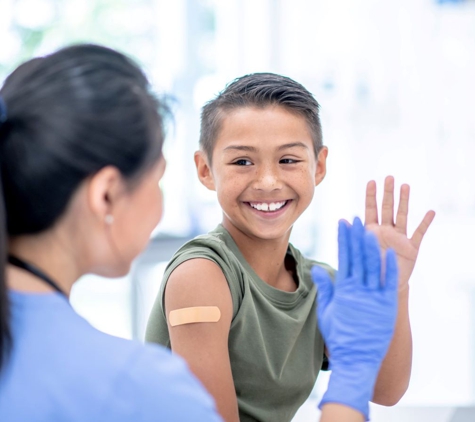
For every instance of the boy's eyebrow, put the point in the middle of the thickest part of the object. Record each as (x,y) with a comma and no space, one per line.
(252,149)
(292,145)
(241,148)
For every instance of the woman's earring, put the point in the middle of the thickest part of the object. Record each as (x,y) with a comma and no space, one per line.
(109,219)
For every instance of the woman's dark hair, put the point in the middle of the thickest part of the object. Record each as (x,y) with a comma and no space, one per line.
(68,115)
(259,90)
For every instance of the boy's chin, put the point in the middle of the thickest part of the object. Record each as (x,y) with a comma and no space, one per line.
(269,233)
(258,231)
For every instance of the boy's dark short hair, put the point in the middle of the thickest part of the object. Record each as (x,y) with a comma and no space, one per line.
(259,90)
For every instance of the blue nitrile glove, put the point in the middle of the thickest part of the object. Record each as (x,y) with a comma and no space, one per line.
(356,315)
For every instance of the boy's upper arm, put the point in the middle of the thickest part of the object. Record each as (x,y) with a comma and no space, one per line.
(204,345)
(198,282)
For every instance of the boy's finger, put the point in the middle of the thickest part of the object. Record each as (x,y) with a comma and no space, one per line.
(344,250)
(387,209)
(372,261)
(403,208)
(422,229)
(371,206)
(324,285)
(356,235)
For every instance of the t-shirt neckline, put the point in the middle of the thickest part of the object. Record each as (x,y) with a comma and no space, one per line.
(280,297)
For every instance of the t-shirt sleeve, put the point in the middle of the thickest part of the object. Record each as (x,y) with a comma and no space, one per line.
(158,386)
(207,247)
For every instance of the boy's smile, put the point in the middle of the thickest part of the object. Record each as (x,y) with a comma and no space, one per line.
(263,169)
(268,207)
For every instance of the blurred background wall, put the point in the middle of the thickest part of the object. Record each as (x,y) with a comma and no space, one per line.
(395,81)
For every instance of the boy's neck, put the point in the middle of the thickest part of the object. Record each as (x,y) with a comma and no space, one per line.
(266,257)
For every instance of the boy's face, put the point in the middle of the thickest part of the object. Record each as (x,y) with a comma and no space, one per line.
(264,170)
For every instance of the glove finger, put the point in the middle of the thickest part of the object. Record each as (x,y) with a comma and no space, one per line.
(344,250)
(391,285)
(324,286)
(357,234)
(372,261)
(392,272)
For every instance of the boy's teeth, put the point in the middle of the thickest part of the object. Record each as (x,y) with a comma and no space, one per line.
(264,206)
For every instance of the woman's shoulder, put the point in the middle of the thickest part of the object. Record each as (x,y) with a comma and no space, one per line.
(159,385)
(148,382)
(92,375)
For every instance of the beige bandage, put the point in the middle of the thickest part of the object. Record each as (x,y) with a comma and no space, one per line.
(193,315)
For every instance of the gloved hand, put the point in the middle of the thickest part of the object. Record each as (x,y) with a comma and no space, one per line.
(356,315)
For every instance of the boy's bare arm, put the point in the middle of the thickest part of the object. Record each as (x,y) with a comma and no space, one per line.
(395,373)
(334,412)
(200,282)
(393,378)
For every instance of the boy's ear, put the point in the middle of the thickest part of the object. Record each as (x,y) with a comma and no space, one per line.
(321,170)
(204,170)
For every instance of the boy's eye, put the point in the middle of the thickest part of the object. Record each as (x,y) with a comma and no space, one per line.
(242,162)
(288,161)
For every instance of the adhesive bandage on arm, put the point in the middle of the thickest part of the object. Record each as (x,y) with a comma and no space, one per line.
(194,315)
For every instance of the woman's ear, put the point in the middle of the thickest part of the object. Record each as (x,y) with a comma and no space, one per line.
(103,191)
(204,170)
(321,169)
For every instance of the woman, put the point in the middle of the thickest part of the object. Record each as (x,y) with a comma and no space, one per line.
(80,157)
(80,161)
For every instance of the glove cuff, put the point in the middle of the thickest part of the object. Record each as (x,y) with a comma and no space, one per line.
(352,386)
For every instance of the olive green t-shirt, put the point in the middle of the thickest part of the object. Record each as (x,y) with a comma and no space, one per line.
(275,347)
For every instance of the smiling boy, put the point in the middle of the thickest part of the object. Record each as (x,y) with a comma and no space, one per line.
(262,152)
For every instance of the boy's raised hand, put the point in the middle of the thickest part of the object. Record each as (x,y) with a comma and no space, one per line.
(393,233)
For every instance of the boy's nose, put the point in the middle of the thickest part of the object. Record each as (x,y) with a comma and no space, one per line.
(267,179)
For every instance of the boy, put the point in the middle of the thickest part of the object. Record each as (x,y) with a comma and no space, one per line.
(239,303)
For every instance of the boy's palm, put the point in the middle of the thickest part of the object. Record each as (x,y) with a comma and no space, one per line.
(393,233)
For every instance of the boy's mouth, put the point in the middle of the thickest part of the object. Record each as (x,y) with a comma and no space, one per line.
(268,206)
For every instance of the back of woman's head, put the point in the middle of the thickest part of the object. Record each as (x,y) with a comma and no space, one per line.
(68,115)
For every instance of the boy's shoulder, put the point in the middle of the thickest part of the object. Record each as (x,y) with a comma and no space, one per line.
(215,246)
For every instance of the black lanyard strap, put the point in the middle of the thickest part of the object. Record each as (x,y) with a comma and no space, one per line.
(17,262)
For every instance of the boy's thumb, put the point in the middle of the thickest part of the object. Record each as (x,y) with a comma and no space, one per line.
(324,286)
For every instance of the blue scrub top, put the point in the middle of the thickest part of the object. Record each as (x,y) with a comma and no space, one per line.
(63,369)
